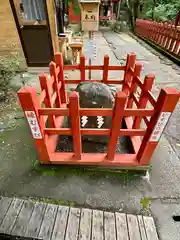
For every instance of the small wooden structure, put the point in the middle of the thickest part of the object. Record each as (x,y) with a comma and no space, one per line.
(77,49)
(53,105)
(89,15)
(39,220)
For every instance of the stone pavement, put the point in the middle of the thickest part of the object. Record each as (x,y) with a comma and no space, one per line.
(158,192)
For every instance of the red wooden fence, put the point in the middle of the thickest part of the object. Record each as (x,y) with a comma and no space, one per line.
(165,35)
(53,105)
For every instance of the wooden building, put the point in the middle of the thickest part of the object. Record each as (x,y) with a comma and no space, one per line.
(29,31)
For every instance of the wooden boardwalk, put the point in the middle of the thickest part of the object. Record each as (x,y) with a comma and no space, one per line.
(36,220)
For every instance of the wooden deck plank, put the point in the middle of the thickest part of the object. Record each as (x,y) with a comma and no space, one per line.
(109,226)
(22,221)
(133,227)
(85,224)
(150,228)
(48,222)
(60,223)
(97,225)
(11,216)
(121,226)
(73,224)
(141,227)
(4,206)
(35,221)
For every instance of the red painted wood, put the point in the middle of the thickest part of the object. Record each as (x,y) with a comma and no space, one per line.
(165,35)
(118,112)
(95,112)
(94,67)
(47,101)
(135,140)
(73,18)
(82,68)
(75,123)
(130,64)
(47,145)
(70,81)
(30,102)
(94,159)
(59,61)
(148,83)
(105,71)
(56,88)
(95,131)
(137,71)
(166,102)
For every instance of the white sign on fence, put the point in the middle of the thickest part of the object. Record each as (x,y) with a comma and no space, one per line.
(33,123)
(160,125)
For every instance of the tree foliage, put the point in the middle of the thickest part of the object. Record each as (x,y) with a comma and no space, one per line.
(161,10)
(158,10)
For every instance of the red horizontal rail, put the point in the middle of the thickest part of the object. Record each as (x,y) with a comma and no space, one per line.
(95,131)
(98,158)
(95,112)
(93,67)
(70,81)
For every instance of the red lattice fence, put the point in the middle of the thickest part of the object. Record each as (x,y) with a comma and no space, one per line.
(53,105)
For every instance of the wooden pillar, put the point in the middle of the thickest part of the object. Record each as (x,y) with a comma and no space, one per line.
(30,104)
(166,103)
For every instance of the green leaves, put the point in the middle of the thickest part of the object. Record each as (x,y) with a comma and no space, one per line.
(162,11)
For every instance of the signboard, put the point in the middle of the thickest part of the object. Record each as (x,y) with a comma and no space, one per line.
(33,124)
(160,125)
(89,16)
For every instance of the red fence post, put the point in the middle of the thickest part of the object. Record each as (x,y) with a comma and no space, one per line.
(82,68)
(128,74)
(75,123)
(165,105)
(30,103)
(148,83)
(105,71)
(120,101)
(137,72)
(59,61)
(52,68)
(44,82)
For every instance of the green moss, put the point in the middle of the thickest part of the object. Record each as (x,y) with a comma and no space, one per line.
(53,201)
(91,172)
(145,202)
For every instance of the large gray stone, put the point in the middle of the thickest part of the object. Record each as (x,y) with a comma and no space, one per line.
(95,95)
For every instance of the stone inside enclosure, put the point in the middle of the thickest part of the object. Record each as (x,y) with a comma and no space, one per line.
(65,144)
(95,95)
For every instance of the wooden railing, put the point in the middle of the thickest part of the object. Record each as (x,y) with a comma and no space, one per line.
(164,35)
(53,105)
